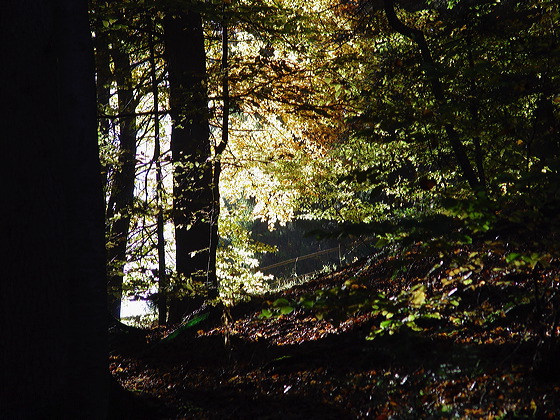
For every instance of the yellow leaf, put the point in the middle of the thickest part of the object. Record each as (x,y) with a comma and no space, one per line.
(418,296)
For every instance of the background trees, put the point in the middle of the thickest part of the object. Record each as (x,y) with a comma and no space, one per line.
(121,194)
(179,43)
(53,356)
(430,100)
(361,113)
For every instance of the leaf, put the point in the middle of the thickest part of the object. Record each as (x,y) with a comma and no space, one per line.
(191,323)
(532,260)
(386,324)
(418,296)
(265,313)
(306,303)
(281,302)
(285,310)
(512,257)
(381,242)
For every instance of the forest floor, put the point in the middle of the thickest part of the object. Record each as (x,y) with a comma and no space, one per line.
(489,353)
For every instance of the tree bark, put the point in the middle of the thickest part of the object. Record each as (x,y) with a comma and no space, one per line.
(103,78)
(53,358)
(190,145)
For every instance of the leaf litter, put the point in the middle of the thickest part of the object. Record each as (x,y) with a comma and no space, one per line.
(485,356)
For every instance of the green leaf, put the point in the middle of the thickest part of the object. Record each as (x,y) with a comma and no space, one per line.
(281,302)
(381,242)
(265,313)
(195,321)
(386,324)
(512,257)
(387,314)
(285,310)
(306,303)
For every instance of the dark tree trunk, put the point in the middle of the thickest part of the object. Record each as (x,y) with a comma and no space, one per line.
(120,201)
(103,77)
(219,148)
(160,193)
(418,37)
(53,359)
(186,64)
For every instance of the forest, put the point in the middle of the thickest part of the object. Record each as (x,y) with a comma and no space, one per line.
(324,209)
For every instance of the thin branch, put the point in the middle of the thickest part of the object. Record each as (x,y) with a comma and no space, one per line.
(132,114)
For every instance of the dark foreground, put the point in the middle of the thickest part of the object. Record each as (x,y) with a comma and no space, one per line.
(486,358)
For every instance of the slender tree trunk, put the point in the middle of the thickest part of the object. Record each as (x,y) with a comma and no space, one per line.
(160,222)
(418,37)
(220,147)
(53,358)
(122,188)
(190,146)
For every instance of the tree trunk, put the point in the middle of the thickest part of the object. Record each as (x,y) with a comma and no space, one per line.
(190,145)
(104,77)
(160,193)
(53,359)
(120,202)
(418,37)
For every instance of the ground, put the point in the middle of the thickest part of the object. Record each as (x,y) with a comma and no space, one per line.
(490,353)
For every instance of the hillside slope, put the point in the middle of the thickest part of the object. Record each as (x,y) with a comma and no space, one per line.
(408,337)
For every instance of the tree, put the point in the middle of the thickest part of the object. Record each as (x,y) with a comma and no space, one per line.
(419,38)
(53,355)
(129,72)
(119,206)
(142,34)
(190,145)
(438,102)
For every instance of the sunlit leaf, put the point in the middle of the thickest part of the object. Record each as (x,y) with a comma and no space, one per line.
(266,313)
(285,310)
(418,296)
(512,257)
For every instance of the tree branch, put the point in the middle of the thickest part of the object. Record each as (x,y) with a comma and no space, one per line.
(419,38)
